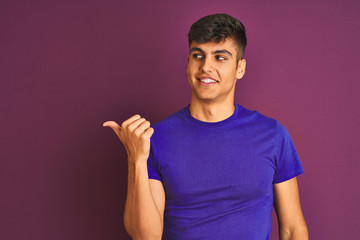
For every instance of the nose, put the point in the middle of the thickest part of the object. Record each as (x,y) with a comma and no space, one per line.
(207,65)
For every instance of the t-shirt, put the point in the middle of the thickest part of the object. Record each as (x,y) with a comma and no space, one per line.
(218,177)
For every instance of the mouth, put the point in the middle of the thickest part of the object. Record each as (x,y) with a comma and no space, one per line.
(206,81)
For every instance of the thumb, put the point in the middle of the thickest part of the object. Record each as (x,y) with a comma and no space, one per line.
(114,126)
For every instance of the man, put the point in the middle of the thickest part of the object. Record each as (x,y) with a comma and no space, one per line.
(214,169)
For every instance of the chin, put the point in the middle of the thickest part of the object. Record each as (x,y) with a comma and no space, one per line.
(206,98)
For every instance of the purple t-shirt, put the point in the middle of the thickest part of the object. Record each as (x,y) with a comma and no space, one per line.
(218,177)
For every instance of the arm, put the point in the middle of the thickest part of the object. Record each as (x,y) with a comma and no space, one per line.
(292,225)
(144,207)
(145,201)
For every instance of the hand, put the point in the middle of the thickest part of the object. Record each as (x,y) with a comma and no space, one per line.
(134,134)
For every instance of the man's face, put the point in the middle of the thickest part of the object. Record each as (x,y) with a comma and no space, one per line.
(213,70)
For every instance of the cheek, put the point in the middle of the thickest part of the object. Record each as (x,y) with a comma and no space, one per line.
(228,73)
(191,70)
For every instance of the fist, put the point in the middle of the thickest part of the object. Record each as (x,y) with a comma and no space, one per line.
(135,134)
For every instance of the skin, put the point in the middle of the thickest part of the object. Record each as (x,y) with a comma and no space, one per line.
(145,203)
(216,61)
(292,225)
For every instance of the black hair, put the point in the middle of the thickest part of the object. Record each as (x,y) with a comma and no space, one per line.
(217,28)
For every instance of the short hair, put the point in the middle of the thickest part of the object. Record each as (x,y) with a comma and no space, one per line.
(217,28)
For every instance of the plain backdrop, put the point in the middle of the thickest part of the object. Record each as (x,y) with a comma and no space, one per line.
(68,66)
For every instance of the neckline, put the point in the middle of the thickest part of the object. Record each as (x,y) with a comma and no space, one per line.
(213,124)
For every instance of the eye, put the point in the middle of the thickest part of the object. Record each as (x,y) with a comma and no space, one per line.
(221,58)
(197,56)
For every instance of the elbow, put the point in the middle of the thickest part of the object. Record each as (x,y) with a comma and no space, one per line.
(142,233)
(146,238)
(299,232)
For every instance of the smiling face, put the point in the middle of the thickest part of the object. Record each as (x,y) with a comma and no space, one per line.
(213,70)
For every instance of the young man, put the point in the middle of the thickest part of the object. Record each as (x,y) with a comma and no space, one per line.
(215,169)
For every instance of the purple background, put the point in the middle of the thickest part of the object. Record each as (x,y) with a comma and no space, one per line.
(68,66)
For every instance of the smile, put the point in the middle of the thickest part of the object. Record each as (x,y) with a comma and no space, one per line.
(207,81)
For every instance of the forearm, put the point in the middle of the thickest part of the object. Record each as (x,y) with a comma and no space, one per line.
(298,233)
(142,218)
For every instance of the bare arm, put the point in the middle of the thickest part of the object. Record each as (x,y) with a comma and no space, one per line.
(292,225)
(145,201)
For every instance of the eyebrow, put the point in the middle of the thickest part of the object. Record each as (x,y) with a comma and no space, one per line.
(215,52)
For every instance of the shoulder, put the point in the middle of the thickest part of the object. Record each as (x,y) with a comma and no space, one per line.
(257,119)
(170,128)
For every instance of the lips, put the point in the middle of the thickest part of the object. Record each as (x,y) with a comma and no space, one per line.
(207,81)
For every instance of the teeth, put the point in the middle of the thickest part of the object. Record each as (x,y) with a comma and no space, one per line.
(207,80)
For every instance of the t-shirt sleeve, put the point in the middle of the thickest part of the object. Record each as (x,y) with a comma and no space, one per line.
(152,164)
(287,161)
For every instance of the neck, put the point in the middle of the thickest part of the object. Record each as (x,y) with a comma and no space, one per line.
(211,112)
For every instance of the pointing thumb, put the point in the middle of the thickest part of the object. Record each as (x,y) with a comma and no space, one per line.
(114,127)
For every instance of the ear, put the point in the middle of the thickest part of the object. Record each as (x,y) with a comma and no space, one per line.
(241,68)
